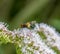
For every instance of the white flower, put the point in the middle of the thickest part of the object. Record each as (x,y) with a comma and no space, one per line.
(53,37)
(3,26)
(37,44)
(31,42)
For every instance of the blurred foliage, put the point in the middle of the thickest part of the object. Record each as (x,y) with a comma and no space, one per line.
(7,49)
(16,12)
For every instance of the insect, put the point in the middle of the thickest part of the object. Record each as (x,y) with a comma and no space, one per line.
(28,24)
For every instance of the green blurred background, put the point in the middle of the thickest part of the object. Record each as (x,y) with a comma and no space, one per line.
(16,12)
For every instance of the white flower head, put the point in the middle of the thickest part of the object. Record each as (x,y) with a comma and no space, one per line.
(52,37)
(3,26)
(31,42)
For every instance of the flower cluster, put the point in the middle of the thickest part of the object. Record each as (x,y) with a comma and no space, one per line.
(32,42)
(52,37)
(42,39)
